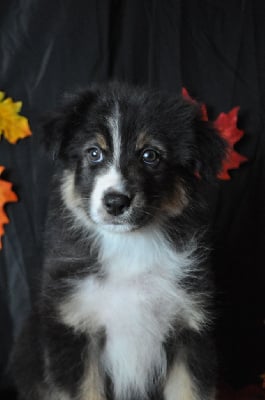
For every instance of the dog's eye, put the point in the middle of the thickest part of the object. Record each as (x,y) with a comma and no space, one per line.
(95,154)
(150,156)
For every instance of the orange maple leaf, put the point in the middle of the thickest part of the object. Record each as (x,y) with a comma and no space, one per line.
(12,125)
(226,124)
(6,196)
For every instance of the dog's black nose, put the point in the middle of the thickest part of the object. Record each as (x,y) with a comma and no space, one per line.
(116,203)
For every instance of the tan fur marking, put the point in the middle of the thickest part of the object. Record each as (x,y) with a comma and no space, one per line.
(179,385)
(145,140)
(141,141)
(101,141)
(70,196)
(92,387)
(176,204)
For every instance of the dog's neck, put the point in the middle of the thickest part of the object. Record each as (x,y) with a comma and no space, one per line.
(142,251)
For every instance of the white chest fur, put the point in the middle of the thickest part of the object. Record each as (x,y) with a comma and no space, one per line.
(136,303)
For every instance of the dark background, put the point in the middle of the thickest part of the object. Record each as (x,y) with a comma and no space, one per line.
(216,49)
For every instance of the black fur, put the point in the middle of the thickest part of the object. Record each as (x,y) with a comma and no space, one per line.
(191,153)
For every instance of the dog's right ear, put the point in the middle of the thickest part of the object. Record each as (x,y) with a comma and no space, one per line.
(52,132)
(60,125)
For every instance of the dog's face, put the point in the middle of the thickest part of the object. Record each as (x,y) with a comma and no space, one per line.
(129,156)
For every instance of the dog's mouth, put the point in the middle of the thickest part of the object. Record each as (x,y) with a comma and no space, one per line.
(118,227)
(124,223)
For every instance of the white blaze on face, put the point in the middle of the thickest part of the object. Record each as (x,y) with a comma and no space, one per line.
(111,180)
(114,126)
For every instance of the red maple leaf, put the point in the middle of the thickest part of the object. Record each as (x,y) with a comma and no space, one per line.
(226,124)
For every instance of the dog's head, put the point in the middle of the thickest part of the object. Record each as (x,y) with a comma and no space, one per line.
(130,156)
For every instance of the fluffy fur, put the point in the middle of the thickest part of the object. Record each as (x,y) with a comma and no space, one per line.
(123,310)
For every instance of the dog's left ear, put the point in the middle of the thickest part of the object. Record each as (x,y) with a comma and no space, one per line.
(211,150)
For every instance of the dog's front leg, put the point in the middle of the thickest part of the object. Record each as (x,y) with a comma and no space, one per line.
(73,362)
(92,386)
(181,385)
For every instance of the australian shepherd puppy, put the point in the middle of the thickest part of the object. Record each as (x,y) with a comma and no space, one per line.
(123,309)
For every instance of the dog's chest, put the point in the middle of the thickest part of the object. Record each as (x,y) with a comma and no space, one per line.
(124,305)
(135,303)
(136,314)
(138,291)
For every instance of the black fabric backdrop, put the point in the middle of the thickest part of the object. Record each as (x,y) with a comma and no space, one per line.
(216,49)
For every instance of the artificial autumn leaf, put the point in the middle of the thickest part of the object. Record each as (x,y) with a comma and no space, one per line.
(6,196)
(226,124)
(12,125)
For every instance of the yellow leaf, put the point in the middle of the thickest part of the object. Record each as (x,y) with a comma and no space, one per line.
(12,125)
(6,196)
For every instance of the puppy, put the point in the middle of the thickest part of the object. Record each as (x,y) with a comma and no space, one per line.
(123,310)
